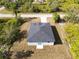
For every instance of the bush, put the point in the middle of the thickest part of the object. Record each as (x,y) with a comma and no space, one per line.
(23,54)
(56,17)
(43,8)
(9,31)
(1,57)
(7,54)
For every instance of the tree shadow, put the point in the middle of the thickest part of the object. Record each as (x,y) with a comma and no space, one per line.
(57,9)
(23,20)
(61,21)
(24,54)
(7,54)
(56,35)
(22,34)
(18,38)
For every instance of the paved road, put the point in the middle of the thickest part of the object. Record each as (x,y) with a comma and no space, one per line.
(29,15)
(36,15)
(7,15)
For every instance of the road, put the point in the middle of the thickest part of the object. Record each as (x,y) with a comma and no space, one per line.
(7,15)
(30,15)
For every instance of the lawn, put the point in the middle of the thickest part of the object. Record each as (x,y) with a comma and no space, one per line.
(1,56)
(5,11)
(72,36)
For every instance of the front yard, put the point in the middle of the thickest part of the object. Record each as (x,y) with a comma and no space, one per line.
(5,11)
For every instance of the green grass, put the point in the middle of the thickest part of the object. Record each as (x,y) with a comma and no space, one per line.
(5,11)
(1,57)
(72,33)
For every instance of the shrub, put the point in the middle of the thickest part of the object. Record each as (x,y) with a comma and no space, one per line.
(9,31)
(1,57)
(43,8)
(56,17)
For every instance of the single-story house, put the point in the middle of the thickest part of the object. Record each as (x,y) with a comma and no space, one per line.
(39,1)
(40,34)
(12,0)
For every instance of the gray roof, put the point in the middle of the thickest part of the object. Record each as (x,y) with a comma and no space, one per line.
(40,32)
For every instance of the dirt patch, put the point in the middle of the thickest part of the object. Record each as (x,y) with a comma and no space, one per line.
(49,52)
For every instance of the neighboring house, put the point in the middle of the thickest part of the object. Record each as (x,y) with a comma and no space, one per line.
(12,0)
(35,1)
(39,1)
(2,8)
(40,34)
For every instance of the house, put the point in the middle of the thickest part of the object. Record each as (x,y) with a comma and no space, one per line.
(34,1)
(2,7)
(39,1)
(40,34)
(12,0)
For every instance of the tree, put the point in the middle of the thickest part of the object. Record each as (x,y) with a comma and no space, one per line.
(56,17)
(54,5)
(73,14)
(23,54)
(27,6)
(2,2)
(9,32)
(1,57)
(19,6)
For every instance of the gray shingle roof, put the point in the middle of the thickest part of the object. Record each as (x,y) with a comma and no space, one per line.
(40,32)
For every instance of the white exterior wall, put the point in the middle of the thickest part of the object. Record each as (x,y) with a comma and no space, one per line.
(51,43)
(41,45)
(32,44)
(43,19)
(44,43)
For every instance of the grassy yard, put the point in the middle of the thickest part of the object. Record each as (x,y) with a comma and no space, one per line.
(5,11)
(72,36)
